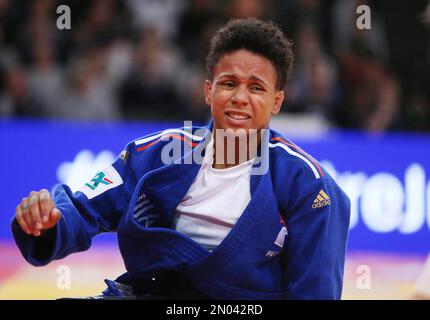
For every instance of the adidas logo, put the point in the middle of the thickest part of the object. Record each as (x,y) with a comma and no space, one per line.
(321,200)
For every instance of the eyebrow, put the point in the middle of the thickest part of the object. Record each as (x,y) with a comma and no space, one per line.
(253,77)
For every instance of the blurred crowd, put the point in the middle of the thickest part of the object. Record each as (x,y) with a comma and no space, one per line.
(144,59)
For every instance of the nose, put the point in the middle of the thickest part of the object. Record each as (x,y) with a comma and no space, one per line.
(240,96)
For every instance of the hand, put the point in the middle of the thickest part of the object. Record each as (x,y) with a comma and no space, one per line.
(37,212)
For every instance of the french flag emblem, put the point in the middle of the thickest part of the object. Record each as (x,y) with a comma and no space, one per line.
(281,237)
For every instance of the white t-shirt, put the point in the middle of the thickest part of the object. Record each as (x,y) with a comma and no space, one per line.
(214,202)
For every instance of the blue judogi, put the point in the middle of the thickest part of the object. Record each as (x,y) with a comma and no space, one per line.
(289,242)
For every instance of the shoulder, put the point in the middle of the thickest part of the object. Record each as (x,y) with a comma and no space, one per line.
(289,155)
(296,173)
(302,178)
(148,152)
(152,142)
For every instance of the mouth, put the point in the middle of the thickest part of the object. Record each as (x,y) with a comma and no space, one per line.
(237,115)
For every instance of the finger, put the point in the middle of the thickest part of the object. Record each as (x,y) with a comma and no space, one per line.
(46,204)
(55,216)
(21,221)
(25,214)
(35,210)
(24,205)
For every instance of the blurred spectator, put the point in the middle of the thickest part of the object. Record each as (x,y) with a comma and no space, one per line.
(417,113)
(12,15)
(161,15)
(147,91)
(39,30)
(313,88)
(90,95)
(345,35)
(46,79)
(119,59)
(3,13)
(189,85)
(408,39)
(246,8)
(143,59)
(17,99)
(106,20)
(195,26)
(425,17)
(371,93)
(371,100)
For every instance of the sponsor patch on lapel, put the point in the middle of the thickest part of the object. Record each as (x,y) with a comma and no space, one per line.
(103,180)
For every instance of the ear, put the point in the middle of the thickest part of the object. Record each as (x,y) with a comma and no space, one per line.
(279,98)
(208,92)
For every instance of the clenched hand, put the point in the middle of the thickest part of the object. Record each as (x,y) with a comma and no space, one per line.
(37,212)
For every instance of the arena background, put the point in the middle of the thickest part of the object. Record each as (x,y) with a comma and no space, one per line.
(358,101)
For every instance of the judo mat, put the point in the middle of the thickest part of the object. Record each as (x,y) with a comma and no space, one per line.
(368,275)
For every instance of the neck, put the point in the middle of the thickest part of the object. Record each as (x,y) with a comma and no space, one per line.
(231,150)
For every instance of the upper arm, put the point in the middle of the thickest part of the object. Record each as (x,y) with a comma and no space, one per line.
(103,199)
(318,225)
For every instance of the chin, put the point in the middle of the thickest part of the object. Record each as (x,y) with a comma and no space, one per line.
(237,130)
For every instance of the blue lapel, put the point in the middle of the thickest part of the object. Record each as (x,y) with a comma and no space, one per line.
(167,186)
(262,204)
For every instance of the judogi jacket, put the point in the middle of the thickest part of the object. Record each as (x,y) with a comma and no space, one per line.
(289,242)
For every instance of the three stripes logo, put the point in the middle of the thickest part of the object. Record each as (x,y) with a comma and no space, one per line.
(321,200)
(140,210)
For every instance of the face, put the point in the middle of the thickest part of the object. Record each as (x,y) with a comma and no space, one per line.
(243,92)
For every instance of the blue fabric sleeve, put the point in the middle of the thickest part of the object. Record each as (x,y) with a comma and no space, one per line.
(318,232)
(82,218)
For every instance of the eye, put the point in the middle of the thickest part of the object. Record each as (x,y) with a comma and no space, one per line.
(228,84)
(256,88)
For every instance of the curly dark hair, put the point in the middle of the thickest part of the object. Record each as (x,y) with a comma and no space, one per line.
(255,35)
